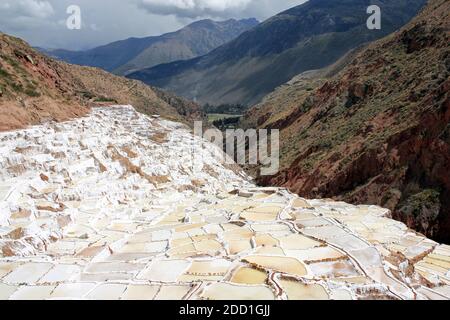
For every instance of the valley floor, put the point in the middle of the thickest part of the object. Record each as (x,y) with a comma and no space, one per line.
(113,206)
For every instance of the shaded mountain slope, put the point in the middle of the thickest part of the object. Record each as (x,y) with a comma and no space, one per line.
(122,57)
(377,132)
(310,36)
(35,88)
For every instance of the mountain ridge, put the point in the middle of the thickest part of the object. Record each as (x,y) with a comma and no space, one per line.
(249,67)
(124,56)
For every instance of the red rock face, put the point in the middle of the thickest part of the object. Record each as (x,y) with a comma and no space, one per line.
(379,131)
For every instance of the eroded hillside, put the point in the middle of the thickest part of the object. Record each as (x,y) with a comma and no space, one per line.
(378,131)
(35,89)
(129,55)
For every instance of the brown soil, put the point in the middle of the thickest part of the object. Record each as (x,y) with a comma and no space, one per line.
(36,89)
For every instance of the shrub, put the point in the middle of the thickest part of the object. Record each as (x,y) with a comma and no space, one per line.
(4,74)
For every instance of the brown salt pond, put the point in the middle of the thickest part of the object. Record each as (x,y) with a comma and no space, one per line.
(298,291)
(298,242)
(223,291)
(277,263)
(246,275)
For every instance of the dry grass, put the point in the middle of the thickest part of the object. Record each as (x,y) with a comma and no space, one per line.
(130,153)
(160,137)
(58,155)
(133,169)
(100,165)
(186,187)
(210,170)
(35,89)
(17,169)
(23,150)
(61,207)
(198,183)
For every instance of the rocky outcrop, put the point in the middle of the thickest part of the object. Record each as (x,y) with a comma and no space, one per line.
(377,132)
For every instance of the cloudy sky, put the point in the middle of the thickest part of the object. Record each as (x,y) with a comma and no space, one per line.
(43,22)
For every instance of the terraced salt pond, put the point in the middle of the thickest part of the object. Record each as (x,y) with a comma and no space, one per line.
(110,207)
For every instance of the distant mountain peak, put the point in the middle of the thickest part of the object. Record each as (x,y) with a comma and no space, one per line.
(132,54)
(306,37)
(35,89)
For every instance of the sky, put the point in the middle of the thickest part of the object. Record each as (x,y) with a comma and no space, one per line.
(43,23)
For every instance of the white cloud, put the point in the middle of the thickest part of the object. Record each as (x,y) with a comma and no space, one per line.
(43,22)
(22,14)
(195,8)
(26,8)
